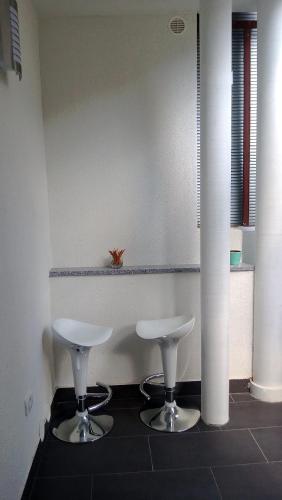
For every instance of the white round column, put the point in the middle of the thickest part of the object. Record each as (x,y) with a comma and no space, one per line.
(267,361)
(216,81)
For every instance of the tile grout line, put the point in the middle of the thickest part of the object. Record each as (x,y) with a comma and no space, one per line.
(241,428)
(150,452)
(197,430)
(75,476)
(155,471)
(262,452)
(216,484)
(156,434)
(226,466)
(92,487)
(265,427)
(35,475)
(94,474)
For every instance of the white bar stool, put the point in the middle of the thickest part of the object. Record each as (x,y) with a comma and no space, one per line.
(167,333)
(79,338)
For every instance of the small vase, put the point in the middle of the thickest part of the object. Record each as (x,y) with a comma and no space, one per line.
(116,266)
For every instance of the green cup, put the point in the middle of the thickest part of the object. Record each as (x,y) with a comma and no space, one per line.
(235,257)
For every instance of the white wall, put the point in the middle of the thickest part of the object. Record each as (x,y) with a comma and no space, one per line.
(121,301)
(24,264)
(119,99)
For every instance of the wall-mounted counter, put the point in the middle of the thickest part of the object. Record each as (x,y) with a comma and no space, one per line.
(65,272)
(98,295)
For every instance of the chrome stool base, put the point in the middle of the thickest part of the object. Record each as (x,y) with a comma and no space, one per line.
(170,418)
(83,428)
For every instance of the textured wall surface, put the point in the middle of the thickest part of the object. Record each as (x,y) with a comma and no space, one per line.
(120,301)
(119,98)
(24,264)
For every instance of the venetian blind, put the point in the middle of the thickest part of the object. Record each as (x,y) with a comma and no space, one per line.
(236,211)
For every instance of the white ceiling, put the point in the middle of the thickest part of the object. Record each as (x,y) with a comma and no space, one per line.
(54,8)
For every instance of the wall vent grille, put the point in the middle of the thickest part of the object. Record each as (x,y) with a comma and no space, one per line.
(177,25)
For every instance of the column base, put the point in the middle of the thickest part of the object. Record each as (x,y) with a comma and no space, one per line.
(268,394)
(170,418)
(83,428)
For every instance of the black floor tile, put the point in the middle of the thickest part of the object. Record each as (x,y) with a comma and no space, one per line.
(64,394)
(66,488)
(192,401)
(205,428)
(254,414)
(66,409)
(182,389)
(105,455)
(120,404)
(132,390)
(188,388)
(126,391)
(242,396)
(62,411)
(33,471)
(204,449)
(239,385)
(197,484)
(270,441)
(121,463)
(250,482)
(128,423)
(119,391)
(126,420)
(177,485)
(121,487)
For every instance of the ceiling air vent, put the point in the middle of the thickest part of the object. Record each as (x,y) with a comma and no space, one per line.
(177,25)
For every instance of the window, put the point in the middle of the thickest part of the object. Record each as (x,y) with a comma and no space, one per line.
(244,120)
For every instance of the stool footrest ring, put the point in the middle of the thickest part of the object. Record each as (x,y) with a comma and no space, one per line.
(108,395)
(96,394)
(148,380)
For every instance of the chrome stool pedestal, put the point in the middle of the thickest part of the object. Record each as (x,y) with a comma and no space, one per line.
(79,338)
(170,418)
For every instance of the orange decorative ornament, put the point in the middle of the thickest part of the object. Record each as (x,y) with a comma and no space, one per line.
(117,254)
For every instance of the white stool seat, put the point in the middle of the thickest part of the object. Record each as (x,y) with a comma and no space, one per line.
(78,333)
(176,327)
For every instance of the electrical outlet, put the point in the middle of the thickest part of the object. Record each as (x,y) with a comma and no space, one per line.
(28,403)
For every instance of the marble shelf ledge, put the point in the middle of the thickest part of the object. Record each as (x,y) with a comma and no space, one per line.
(65,272)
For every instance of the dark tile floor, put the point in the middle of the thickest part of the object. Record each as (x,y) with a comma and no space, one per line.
(240,461)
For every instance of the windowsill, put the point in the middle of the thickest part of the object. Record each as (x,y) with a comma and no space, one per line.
(66,272)
(247,229)
(237,226)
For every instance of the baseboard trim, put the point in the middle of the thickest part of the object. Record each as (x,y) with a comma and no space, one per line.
(266,393)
